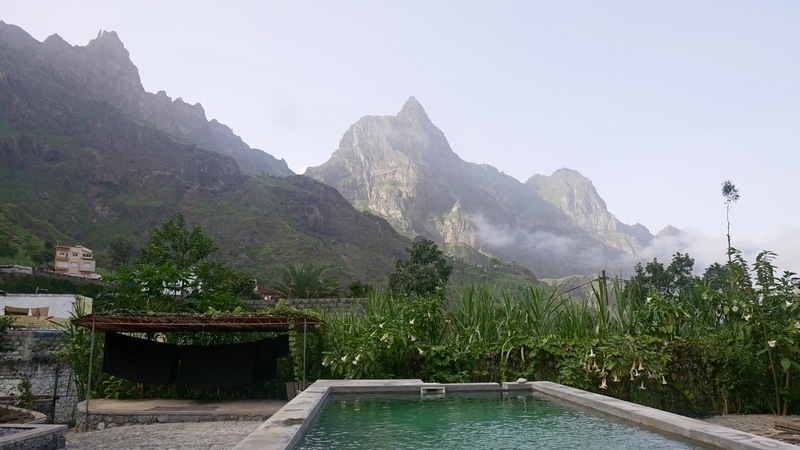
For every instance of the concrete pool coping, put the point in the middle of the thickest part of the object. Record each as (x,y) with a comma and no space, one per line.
(286,427)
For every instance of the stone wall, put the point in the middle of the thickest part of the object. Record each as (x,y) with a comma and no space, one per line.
(330,305)
(32,357)
(99,421)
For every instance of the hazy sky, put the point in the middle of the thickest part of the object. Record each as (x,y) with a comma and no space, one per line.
(656,102)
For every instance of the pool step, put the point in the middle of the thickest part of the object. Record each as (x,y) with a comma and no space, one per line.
(425,391)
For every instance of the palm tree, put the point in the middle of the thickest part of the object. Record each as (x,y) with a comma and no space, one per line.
(304,280)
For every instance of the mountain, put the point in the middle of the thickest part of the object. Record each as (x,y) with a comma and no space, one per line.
(403,169)
(102,70)
(86,155)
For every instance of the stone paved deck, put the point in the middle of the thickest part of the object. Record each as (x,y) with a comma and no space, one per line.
(161,436)
(110,413)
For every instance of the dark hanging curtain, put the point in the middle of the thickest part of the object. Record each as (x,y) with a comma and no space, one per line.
(267,353)
(216,366)
(193,366)
(140,360)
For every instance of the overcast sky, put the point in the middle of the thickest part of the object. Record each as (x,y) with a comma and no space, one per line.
(656,102)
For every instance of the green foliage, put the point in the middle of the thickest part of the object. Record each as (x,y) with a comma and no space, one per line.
(173,275)
(304,280)
(24,398)
(6,323)
(426,272)
(7,249)
(357,289)
(176,245)
(120,251)
(677,344)
(29,284)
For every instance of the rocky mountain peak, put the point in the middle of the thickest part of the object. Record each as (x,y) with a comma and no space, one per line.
(110,38)
(669,230)
(414,114)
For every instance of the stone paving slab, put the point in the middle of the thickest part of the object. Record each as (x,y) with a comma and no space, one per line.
(164,436)
(111,413)
(787,424)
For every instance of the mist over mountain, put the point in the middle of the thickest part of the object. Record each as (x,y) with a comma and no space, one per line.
(403,169)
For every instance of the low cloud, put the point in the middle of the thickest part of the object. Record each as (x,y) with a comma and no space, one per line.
(703,249)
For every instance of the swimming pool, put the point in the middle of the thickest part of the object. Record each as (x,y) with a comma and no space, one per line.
(483,421)
(286,428)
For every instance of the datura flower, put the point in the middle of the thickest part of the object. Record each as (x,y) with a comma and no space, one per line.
(789,304)
(616,379)
(421,352)
(642,386)
(344,358)
(412,321)
(735,308)
(640,367)
(747,317)
(413,338)
(384,337)
(603,384)
(381,325)
(663,380)
(772,343)
(591,353)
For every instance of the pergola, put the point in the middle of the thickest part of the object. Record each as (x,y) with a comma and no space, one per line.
(162,323)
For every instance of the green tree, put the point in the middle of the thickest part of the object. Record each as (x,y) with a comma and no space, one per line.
(358,289)
(304,280)
(120,251)
(173,274)
(426,272)
(672,281)
(731,195)
(176,244)
(7,249)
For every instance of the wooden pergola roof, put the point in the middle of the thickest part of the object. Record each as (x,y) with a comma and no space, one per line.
(158,323)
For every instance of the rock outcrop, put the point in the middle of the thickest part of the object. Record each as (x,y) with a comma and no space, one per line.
(403,169)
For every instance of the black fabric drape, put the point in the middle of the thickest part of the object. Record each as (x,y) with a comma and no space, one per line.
(140,360)
(216,366)
(267,353)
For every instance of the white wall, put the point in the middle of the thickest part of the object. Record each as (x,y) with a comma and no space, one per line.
(61,305)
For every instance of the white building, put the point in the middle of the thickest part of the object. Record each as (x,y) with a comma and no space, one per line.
(76,261)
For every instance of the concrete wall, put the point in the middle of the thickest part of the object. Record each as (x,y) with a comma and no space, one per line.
(32,357)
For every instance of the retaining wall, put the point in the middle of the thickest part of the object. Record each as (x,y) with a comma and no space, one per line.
(32,357)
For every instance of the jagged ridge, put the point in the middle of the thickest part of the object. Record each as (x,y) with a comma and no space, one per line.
(402,168)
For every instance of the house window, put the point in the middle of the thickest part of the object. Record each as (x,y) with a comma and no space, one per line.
(87,255)
(62,253)
(74,254)
(61,264)
(86,264)
(73,264)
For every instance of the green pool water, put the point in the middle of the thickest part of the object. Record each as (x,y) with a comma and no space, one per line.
(473,422)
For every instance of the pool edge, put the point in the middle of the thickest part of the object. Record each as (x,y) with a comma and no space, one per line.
(285,428)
